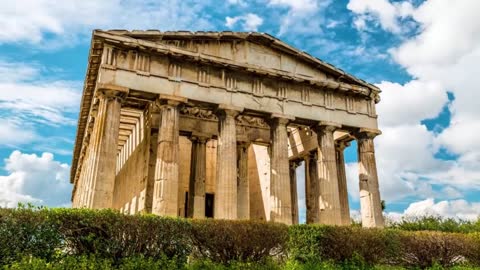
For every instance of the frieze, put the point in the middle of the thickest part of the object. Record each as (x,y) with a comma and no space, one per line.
(257,87)
(142,62)
(198,113)
(247,120)
(306,94)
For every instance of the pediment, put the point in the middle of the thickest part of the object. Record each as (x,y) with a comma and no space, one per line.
(252,49)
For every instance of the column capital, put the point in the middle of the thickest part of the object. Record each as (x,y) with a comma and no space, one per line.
(366,133)
(340,145)
(245,144)
(229,110)
(311,155)
(295,163)
(199,137)
(169,100)
(324,126)
(111,91)
(282,119)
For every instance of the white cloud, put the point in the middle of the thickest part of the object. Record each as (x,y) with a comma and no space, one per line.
(13,133)
(249,21)
(410,103)
(31,20)
(24,94)
(296,5)
(460,209)
(387,14)
(303,16)
(241,3)
(443,56)
(35,179)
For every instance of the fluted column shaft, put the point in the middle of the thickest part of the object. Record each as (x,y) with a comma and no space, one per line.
(225,206)
(104,148)
(198,175)
(293,191)
(281,201)
(329,203)
(342,182)
(312,188)
(370,202)
(165,199)
(243,199)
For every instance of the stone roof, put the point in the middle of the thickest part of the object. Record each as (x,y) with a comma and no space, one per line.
(96,50)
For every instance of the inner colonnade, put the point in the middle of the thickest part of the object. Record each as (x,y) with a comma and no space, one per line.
(165,132)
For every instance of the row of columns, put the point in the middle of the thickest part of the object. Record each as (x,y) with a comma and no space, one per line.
(326,194)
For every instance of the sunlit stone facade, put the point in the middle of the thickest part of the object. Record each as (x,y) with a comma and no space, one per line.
(215,124)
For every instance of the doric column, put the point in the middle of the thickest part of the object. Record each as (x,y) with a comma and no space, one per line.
(198,175)
(104,148)
(342,181)
(370,202)
(152,139)
(329,203)
(293,190)
(280,197)
(225,205)
(243,199)
(165,199)
(312,189)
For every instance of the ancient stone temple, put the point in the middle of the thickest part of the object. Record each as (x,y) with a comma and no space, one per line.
(214,124)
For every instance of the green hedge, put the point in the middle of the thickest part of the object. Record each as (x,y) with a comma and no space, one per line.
(50,238)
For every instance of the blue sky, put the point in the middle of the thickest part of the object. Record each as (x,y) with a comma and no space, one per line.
(422,54)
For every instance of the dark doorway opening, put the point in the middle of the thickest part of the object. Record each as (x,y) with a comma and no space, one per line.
(186,210)
(209,200)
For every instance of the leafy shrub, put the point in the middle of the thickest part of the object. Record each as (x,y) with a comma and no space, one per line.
(27,231)
(94,263)
(108,234)
(226,241)
(342,244)
(437,223)
(39,238)
(425,249)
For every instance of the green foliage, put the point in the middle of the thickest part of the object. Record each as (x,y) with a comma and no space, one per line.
(27,230)
(436,223)
(341,244)
(427,249)
(225,241)
(39,238)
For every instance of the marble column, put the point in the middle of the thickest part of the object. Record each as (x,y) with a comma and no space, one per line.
(243,199)
(225,205)
(312,189)
(104,147)
(370,202)
(329,203)
(165,198)
(293,190)
(280,196)
(198,176)
(342,182)
(152,163)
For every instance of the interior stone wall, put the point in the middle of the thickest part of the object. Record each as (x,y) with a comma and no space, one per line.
(130,182)
(259,177)
(184,169)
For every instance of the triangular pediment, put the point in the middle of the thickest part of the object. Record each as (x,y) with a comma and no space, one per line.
(249,48)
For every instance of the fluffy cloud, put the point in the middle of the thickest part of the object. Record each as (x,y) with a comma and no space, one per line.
(300,14)
(453,209)
(28,100)
(410,103)
(382,11)
(440,58)
(34,179)
(33,20)
(249,21)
